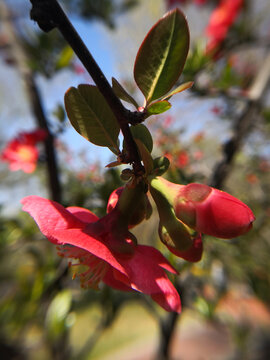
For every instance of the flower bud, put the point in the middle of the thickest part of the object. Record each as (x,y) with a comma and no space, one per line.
(173,236)
(179,238)
(140,210)
(206,209)
(212,211)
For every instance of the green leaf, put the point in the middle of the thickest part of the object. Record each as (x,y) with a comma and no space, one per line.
(179,89)
(57,313)
(122,93)
(141,132)
(162,55)
(161,165)
(60,113)
(146,157)
(158,107)
(91,116)
(65,57)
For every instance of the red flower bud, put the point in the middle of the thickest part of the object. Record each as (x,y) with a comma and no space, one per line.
(174,234)
(140,210)
(212,211)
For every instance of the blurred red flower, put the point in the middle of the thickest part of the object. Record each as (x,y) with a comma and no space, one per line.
(106,249)
(182,159)
(220,21)
(21,153)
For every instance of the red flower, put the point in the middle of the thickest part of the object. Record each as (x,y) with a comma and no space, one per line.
(206,209)
(182,159)
(21,153)
(107,249)
(220,21)
(212,212)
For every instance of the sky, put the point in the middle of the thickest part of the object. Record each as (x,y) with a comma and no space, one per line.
(115,53)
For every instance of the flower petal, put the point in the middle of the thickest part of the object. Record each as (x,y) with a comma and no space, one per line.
(147,275)
(111,279)
(80,238)
(50,216)
(193,254)
(82,214)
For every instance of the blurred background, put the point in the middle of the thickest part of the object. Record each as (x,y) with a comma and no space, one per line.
(216,133)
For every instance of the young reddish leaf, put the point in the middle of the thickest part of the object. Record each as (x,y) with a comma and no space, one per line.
(162,55)
(91,116)
(179,89)
(146,157)
(122,93)
(158,107)
(113,164)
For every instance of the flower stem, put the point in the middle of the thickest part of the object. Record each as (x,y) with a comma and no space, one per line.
(49,15)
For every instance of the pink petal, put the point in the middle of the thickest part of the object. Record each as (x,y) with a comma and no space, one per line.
(110,280)
(81,239)
(147,276)
(82,214)
(50,216)
(193,254)
(158,258)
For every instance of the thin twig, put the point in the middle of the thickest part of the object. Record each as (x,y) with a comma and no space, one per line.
(49,15)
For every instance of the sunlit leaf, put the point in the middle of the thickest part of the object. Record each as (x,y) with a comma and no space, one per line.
(91,116)
(122,93)
(65,57)
(57,313)
(158,107)
(179,89)
(162,55)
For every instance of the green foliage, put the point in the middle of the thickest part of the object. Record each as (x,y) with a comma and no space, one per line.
(56,317)
(91,116)
(162,56)
(122,93)
(196,61)
(65,58)
(104,10)
(141,133)
(161,165)
(178,89)
(158,107)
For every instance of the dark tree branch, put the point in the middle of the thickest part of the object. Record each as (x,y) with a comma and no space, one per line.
(49,15)
(243,125)
(21,60)
(167,327)
(232,146)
